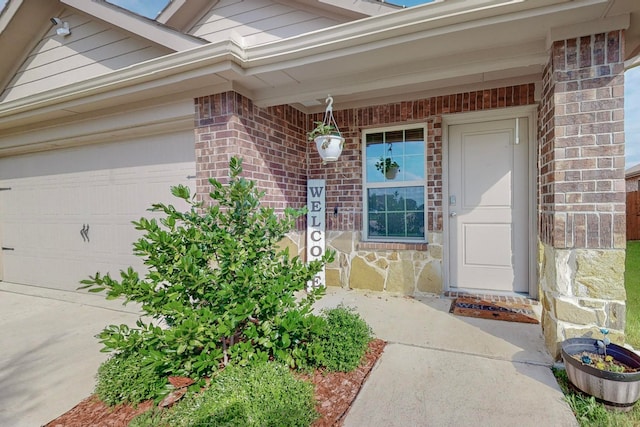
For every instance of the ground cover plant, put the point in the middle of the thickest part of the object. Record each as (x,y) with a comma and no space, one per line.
(588,411)
(343,341)
(127,378)
(260,395)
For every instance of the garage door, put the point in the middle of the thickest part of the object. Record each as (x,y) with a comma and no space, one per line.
(66,214)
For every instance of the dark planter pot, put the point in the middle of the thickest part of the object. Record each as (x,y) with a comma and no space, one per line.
(616,390)
(391,172)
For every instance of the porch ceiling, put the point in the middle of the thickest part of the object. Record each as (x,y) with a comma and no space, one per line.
(451,45)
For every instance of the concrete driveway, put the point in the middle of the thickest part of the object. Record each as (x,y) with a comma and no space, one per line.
(48,351)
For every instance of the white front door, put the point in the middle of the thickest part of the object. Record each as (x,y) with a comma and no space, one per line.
(487,206)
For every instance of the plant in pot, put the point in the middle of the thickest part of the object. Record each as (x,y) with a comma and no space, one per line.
(328,141)
(326,135)
(388,167)
(607,371)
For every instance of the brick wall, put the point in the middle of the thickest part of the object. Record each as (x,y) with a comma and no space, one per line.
(271,142)
(546,171)
(276,153)
(344,187)
(581,144)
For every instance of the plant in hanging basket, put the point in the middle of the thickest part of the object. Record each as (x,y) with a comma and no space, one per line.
(328,140)
(388,167)
(608,372)
(322,129)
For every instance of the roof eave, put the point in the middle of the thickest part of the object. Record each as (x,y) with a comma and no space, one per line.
(233,61)
(135,24)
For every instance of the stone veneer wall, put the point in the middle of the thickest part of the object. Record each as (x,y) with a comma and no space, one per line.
(272,142)
(581,189)
(402,271)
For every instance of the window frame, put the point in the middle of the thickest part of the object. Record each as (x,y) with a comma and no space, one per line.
(386,184)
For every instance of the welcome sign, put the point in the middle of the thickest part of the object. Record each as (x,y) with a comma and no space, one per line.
(316,226)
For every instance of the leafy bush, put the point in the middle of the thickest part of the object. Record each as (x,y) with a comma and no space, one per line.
(219,281)
(260,395)
(344,340)
(125,379)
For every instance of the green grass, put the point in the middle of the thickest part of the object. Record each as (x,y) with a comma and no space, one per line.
(590,413)
(632,285)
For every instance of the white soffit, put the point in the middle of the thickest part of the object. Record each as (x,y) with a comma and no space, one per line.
(601,25)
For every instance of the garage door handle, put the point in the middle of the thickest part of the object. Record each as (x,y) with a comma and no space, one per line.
(7,249)
(84,232)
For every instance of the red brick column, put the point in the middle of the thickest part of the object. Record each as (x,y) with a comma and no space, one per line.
(582,144)
(270,141)
(581,186)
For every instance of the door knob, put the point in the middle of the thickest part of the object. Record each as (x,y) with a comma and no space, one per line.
(452,214)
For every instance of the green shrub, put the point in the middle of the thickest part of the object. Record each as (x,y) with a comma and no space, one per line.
(344,340)
(219,281)
(260,395)
(125,379)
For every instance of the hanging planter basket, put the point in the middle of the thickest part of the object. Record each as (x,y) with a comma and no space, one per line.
(388,167)
(391,172)
(329,147)
(326,135)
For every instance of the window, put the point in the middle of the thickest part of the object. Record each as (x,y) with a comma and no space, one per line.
(394,184)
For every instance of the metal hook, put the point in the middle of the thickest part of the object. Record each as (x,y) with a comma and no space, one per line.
(329,102)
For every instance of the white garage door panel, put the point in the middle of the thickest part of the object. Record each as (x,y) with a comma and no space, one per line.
(105,186)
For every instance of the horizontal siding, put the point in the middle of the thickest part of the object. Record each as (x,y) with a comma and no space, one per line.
(92,48)
(258,20)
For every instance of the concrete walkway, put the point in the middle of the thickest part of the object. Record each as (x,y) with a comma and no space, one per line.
(437,369)
(444,370)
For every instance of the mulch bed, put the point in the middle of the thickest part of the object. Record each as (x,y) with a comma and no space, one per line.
(334,391)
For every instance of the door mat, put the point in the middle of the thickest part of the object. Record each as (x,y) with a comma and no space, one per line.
(498,310)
